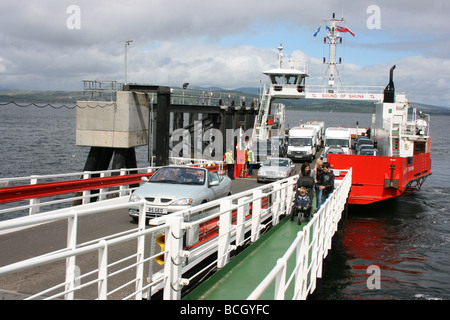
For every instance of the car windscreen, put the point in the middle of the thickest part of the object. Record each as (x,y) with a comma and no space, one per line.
(337,143)
(335,151)
(276,163)
(179,176)
(299,142)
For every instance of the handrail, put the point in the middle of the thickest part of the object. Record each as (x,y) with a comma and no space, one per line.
(346,89)
(40,190)
(308,252)
(37,190)
(158,279)
(238,216)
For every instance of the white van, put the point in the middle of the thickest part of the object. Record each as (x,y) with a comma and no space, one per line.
(302,143)
(338,138)
(320,125)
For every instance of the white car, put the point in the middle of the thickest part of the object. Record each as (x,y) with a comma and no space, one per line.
(275,169)
(175,188)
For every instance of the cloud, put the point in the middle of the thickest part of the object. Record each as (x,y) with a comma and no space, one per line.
(209,43)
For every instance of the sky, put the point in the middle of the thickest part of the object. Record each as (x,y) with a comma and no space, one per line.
(55,44)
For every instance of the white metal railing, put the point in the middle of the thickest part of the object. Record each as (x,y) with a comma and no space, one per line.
(346,89)
(308,249)
(228,216)
(170,225)
(211,98)
(35,205)
(72,250)
(229,235)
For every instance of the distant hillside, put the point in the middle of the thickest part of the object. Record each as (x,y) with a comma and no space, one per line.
(431,109)
(21,96)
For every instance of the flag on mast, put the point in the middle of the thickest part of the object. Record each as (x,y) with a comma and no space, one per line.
(315,34)
(342,29)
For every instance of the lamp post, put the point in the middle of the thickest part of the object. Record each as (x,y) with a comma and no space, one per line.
(185,85)
(127,43)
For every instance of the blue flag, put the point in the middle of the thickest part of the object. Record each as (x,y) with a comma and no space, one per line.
(315,34)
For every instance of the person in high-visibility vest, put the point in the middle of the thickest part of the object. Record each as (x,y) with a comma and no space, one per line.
(229,160)
(250,161)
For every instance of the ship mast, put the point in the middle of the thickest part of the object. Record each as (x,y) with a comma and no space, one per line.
(280,56)
(332,72)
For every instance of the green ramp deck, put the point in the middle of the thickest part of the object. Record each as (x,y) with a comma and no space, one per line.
(238,279)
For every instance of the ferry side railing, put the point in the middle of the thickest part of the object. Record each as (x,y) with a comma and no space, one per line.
(228,220)
(215,228)
(69,254)
(28,195)
(308,250)
(20,196)
(251,210)
(107,89)
(345,89)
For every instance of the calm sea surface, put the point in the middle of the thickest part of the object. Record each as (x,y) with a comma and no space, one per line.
(407,239)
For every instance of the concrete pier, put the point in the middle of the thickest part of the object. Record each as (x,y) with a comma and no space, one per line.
(113,129)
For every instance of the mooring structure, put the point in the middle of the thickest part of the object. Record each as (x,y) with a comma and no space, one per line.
(177,122)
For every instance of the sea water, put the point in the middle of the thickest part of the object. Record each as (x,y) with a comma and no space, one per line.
(398,249)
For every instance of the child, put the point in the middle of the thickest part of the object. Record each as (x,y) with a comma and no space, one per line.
(303,201)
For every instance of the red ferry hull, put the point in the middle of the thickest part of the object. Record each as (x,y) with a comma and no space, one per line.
(377,178)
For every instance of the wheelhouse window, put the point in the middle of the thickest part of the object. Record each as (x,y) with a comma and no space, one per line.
(284,79)
(419,147)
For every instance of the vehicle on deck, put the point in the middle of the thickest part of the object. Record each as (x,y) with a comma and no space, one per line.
(361,138)
(334,150)
(302,143)
(275,169)
(174,188)
(360,141)
(364,147)
(369,152)
(338,138)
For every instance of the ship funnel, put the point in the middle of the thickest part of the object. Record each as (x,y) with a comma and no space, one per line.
(389,91)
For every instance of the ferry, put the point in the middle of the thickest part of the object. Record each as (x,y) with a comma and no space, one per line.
(400,161)
(403,161)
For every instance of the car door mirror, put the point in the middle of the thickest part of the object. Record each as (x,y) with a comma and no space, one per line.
(214,183)
(145,179)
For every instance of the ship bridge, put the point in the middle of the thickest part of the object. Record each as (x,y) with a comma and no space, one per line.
(287,83)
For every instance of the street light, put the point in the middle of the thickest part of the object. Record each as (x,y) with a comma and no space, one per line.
(127,43)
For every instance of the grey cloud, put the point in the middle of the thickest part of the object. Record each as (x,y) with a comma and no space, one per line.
(178,39)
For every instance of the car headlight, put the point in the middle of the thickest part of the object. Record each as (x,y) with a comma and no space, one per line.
(135,198)
(182,202)
(282,174)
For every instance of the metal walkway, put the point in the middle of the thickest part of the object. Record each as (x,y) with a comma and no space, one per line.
(237,280)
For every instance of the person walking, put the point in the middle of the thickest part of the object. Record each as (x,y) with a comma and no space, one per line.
(229,160)
(326,184)
(319,174)
(250,161)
